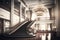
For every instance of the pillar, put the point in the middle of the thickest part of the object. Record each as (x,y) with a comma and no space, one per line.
(12,11)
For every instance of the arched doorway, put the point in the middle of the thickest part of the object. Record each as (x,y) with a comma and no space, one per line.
(42,17)
(42,24)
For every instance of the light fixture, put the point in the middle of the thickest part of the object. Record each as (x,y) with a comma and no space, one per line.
(40,9)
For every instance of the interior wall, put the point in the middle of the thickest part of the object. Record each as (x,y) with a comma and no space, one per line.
(4,14)
(58,28)
(57,16)
(15,19)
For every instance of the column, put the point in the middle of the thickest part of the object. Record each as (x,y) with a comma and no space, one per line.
(20,12)
(12,11)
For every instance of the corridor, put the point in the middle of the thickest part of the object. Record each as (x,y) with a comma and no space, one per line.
(29,20)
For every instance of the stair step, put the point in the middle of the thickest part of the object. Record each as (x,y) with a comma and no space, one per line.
(21,32)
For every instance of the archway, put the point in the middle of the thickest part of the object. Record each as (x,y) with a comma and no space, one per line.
(42,23)
(42,17)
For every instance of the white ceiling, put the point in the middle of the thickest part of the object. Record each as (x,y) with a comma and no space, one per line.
(32,3)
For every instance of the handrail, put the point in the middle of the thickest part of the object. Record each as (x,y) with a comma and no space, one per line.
(19,26)
(30,24)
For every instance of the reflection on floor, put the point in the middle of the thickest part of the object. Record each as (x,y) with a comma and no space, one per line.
(43,36)
(39,36)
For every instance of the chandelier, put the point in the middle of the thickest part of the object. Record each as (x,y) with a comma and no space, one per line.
(40,9)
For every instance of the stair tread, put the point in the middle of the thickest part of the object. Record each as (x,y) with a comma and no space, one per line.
(21,32)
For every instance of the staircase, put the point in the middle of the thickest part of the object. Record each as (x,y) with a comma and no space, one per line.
(21,32)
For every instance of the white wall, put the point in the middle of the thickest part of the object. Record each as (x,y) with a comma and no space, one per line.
(15,19)
(4,14)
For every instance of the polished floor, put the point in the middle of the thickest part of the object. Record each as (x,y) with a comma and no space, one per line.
(39,36)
